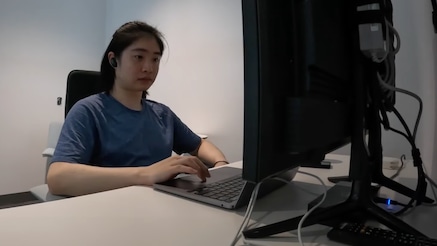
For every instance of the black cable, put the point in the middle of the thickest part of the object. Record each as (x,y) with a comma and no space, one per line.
(407,129)
(421,183)
(410,203)
(400,133)
(434,15)
(383,108)
(405,208)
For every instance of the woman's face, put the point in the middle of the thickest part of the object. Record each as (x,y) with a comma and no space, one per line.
(138,65)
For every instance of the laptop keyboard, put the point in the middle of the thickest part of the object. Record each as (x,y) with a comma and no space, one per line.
(224,190)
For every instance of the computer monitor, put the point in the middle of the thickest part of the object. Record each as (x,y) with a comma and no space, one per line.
(308,89)
(298,79)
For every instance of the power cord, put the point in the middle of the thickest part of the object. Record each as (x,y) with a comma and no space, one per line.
(434,15)
(387,83)
(251,205)
(299,227)
(248,213)
(402,159)
(421,182)
(388,49)
(396,34)
(389,201)
(433,186)
(415,96)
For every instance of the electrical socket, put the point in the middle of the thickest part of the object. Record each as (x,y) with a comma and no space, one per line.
(391,163)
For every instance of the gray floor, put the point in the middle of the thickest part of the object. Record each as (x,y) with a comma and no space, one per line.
(17,199)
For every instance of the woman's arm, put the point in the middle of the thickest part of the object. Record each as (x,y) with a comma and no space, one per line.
(210,154)
(73,179)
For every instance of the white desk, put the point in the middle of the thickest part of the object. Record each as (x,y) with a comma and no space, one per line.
(141,216)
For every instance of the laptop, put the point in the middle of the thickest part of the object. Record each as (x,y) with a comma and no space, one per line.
(225,188)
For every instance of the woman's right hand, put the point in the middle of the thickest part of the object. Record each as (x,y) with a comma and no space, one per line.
(172,166)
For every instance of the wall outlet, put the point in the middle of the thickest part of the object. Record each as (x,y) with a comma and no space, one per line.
(391,163)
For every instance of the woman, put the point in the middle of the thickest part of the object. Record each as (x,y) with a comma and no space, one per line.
(118,138)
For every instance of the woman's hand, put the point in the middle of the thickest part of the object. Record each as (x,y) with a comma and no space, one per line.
(170,167)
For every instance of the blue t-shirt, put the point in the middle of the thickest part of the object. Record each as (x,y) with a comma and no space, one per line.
(101,131)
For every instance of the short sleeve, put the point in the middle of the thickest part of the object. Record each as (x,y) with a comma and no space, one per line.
(77,138)
(184,140)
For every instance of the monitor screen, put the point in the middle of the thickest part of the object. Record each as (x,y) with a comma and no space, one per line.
(298,83)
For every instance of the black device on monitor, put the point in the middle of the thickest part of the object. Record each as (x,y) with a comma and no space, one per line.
(308,89)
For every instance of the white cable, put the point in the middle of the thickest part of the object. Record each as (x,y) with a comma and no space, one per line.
(299,227)
(390,71)
(397,172)
(396,34)
(251,204)
(248,213)
(392,88)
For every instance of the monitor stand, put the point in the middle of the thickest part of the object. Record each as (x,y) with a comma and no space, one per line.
(358,207)
(360,202)
(364,207)
(379,178)
(365,156)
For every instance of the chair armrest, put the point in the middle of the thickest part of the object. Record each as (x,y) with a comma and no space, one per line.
(54,132)
(203,136)
(43,194)
(48,152)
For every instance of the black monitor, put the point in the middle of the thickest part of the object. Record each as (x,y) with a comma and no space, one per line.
(298,79)
(308,89)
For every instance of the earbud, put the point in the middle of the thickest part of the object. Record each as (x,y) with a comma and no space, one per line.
(113,62)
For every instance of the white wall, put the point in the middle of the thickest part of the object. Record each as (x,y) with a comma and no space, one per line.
(201,76)
(416,63)
(40,42)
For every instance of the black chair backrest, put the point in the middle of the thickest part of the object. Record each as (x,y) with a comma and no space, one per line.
(80,84)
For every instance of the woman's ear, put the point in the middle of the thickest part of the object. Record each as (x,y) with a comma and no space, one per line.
(112,60)
(110,55)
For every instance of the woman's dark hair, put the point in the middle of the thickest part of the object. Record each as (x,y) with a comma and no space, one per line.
(123,37)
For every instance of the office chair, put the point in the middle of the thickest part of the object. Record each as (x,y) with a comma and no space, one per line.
(80,84)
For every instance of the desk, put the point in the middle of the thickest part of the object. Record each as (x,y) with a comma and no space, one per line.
(141,216)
